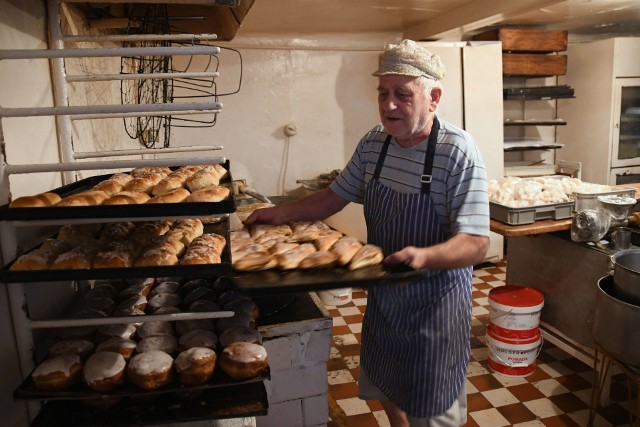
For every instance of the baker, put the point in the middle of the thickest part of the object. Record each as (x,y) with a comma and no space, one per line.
(423,185)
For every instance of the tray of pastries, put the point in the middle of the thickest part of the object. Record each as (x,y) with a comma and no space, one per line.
(305,256)
(181,247)
(147,357)
(202,190)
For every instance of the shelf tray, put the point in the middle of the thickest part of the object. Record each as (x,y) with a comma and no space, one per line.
(195,209)
(269,282)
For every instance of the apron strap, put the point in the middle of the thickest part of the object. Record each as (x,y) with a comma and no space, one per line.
(381,156)
(427,176)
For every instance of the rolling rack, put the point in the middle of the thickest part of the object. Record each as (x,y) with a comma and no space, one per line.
(18,234)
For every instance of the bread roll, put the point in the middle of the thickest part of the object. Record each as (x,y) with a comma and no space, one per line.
(366,256)
(345,249)
(157,256)
(127,198)
(255,261)
(146,171)
(207,176)
(326,239)
(86,198)
(260,229)
(42,257)
(80,257)
(74,234)
(319,259)
(116,254)
(196,256)
(37,201)
(143,184)
(109,186)
(214,193)
(174,196)
(291,259)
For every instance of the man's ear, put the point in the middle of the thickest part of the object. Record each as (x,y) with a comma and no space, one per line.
(436,94)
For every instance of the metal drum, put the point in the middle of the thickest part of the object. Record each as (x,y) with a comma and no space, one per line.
(615,325)
(626,275)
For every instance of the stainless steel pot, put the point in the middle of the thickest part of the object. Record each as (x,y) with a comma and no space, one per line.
(626,275)
(615,325)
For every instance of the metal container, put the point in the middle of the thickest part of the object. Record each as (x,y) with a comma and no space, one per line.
(615,325)
(626,275)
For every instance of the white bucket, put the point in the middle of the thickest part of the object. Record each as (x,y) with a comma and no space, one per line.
(513,357)
(335,297)
(515,308)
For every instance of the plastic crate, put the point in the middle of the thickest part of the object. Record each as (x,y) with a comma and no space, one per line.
(529,214)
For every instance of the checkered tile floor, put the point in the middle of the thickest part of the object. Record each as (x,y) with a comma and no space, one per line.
(557,393)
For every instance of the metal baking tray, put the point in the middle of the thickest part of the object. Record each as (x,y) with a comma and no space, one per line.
(270,282)
(245,400)
(193,270)
(529,214)
(28,391)
(196,209)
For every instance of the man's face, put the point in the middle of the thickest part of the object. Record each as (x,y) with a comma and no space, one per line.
(404,108)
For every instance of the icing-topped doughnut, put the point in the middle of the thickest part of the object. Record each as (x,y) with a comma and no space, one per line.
(239,334)
(165,343)
(244,305)
(122,330)
(238,319)
(104,371)
(82,348)
(58,373)
(184,326)
(198,338)
(171,287)
(124,346)
(151,370)
(163,299)
(196,365)
(243,360)
(149,329)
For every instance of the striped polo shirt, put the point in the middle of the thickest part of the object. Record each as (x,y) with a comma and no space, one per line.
(458,186)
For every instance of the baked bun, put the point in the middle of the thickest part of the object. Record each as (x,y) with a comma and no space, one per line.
(149,329)
(109,186)
(59,373)
(122,330)
(319,259)
(104,371)
(184,326)
(214,193)
(205,177)
(243,305)
(366,256)
(163,299)
(173,196)
(37,201)
(243,361)
(81,348)
(198,338)
(239,334)
(86,198)
(124,346)
(345,248)
(238,319)
(195,366)
(127,198)
(144,171)
(166,343)
(151,370)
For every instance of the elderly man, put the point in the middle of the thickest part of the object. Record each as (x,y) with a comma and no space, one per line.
(422,182)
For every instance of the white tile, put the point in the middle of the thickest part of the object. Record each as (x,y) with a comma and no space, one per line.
(489,418)
(335,353)
(359,301)
(482,300)
(481,353)
(532,423)
(584,395)
(543,408)
(349,311)
(469,387)
(479,311)
(475,369)
(356,328)
(509,381)
(352,362)
(501,276)
(475,322)
(550,387)
(555,369)
(500,397)
(381,418)
(480,273)
(346,339)
(338,321)
(353,406)
(341,376)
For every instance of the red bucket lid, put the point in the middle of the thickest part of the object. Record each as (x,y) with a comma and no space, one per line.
(516,296)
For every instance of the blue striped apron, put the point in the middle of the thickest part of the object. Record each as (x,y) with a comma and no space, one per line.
(416,336)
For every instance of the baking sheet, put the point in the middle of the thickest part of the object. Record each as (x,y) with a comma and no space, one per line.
(28,391)
(193,270)
(269,282)
(195,209)
(245,400)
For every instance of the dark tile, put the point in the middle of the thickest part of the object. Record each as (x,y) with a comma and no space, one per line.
(350,350)
(525,392)
(615,414)
(559,421)
(356,318)
(361,420)
(340,330)
(477,402)
(516,413)
(336,364)
(538,375)
(343,391)
(485,382)
(568,402)
(576,365)
(574,382)
(374,405)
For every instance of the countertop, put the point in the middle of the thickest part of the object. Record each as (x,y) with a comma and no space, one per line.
(539,227)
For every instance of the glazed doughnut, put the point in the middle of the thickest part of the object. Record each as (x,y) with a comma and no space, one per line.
(58,373)
(243,305)
(198,338)
(123,330)
(104,371)
(138,302)
(239,334)
(81,348)
(184,326)
(37,201)
(167,286)
(151,370)
(124,346)
(238,319)
(163,299)
(143,287)
(164,342)
(196,365)
(243,360)
(149,329)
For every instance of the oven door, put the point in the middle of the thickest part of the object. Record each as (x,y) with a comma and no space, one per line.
(626,128)
(621,176)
